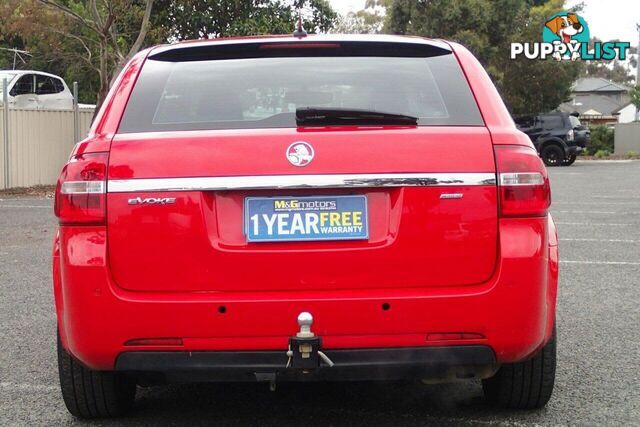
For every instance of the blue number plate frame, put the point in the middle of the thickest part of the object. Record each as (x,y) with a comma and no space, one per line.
(308,218)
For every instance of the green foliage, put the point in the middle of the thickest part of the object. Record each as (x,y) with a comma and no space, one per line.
(77,39)
(601,154)
(613,70)
(193,19)
(610,70)
(369,20)
(61,45)
(601,140)
(635,96)
(487,28)
(632,154)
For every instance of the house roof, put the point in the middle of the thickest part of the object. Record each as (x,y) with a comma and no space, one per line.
(598,84)
(622,107)
(591,105)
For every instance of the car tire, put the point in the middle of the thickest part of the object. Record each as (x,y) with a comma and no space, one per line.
(569,160)
(552,155)
(524,385)
(93,394)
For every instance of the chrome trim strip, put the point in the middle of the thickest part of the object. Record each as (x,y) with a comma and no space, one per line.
(227,183)
(446,196)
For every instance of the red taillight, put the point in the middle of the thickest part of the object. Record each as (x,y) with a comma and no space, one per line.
(81,188)
(522,181)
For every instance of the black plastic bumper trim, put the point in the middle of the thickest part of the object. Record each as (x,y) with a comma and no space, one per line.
(350,364)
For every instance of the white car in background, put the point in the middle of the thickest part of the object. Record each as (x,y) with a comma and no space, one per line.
(36,90)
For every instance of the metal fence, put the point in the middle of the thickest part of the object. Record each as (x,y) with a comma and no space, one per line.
(38,143)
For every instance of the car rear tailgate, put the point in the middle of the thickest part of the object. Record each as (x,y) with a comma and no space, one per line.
(422,233)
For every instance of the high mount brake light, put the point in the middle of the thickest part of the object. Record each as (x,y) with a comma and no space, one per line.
(81,190)
(522,181)
(301,45)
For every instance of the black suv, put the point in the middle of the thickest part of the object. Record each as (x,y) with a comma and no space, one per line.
(557,136)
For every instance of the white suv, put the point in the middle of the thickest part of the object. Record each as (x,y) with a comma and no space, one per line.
(36,90)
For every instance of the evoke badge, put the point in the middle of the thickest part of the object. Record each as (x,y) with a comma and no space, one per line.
(152,201)
(300,153)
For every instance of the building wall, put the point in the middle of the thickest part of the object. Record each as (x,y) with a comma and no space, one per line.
(627,114)
(627,138)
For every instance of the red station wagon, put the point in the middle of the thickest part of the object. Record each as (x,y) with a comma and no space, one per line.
(321,208)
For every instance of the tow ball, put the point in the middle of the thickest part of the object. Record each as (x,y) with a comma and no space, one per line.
(304,349)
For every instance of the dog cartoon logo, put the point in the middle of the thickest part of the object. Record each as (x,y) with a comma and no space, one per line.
(569,29)
(300,153)
(566,36)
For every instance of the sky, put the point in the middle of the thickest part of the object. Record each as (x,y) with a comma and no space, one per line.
(612,19)
(346,6)
(607,19)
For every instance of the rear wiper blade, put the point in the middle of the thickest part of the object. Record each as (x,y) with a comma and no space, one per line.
(312,116)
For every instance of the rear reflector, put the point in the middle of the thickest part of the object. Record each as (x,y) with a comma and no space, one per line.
(453,336)
(80,193)
(522,181)
(154,342)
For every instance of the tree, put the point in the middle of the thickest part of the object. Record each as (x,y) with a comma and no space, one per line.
(610,70)
(90,40)
(613,70)
(487,28)
(103,35)
(532,86)
(369,20)
(634,94)
(193,19)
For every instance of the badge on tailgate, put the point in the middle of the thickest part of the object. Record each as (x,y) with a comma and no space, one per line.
(275,219)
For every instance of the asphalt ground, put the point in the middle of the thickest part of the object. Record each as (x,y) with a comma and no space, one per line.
(597,208)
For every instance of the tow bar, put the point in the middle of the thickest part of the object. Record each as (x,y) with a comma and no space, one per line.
(303,355)
(304,349)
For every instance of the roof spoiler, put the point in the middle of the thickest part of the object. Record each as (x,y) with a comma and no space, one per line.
(311,46)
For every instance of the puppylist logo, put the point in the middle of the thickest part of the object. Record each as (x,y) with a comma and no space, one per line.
(565,36)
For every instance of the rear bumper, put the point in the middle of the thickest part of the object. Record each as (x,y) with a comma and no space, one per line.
(435,363)
(512,313)
(574,149)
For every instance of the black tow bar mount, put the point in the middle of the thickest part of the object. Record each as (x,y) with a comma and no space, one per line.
(304,352)
(304,349)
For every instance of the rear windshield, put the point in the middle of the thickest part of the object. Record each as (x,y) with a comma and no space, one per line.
(250,93)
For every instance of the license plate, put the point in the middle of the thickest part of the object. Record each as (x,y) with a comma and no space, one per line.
(279,219)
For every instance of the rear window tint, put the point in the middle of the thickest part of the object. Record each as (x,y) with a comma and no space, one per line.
(552,122)
(265,92)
